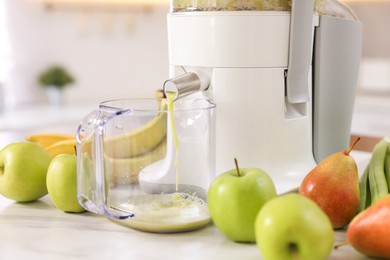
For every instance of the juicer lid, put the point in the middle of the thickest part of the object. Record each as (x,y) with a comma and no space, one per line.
(322,7)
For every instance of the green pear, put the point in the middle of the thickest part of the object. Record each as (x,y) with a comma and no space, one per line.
(293,227)
(62,183)
(23,168)
(369,231)
(334,185)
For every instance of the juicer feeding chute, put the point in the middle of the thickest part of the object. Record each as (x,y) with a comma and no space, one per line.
(278,73)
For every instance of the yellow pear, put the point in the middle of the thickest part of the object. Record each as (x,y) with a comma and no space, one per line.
(334,185)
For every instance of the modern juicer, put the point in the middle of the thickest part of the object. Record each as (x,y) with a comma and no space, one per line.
(282,75)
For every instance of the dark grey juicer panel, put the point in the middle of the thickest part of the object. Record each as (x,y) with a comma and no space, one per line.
(337,51)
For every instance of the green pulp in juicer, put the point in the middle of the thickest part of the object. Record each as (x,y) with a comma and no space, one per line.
(322,7)
(231,5)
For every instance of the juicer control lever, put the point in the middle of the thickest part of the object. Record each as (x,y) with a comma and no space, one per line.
(185,84)
(300,51)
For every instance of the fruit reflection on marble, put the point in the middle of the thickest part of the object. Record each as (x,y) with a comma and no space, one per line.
(23,168)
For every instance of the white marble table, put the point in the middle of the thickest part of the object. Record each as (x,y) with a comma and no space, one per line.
(38,230)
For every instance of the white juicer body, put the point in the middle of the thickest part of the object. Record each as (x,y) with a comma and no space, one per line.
(246,56)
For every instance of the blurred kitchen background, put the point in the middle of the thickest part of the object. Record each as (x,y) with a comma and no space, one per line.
(118,49)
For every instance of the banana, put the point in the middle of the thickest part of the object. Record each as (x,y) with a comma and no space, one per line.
(139,141)
(62,147)
(376,176)
(48,139)
(126,170)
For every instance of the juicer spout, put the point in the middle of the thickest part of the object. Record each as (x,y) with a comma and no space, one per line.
(186,84)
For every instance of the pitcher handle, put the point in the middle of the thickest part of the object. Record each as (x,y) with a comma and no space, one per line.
(91,184)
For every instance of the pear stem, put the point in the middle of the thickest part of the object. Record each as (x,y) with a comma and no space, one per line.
(346,152)
(237,169)
(341,244)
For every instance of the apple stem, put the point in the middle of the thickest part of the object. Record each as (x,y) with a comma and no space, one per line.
(346,152)
(341,244)
(75,150)
(294,251)
(237,169)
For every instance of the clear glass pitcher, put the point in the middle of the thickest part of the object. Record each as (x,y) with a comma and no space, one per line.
(146,166)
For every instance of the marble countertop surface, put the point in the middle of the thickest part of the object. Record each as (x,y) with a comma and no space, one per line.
(38,230)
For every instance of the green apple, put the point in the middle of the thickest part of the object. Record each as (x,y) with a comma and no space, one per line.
(234,199)
(62,183)
(293,227)
(23,168)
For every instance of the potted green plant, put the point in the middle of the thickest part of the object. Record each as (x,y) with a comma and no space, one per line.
(55,78)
